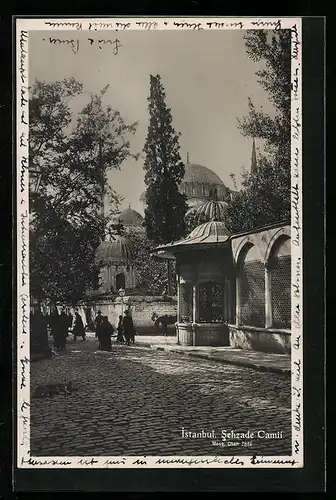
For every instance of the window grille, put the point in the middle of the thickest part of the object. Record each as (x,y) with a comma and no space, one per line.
(252,294)
(211,303)
(281,292)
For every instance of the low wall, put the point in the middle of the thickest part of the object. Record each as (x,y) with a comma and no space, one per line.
(260,339)
(203,334)
(141,308)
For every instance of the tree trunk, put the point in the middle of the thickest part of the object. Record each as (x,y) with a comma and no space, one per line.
(169,290)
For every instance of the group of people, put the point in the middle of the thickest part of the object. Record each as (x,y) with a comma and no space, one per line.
(104,331)
(60,324)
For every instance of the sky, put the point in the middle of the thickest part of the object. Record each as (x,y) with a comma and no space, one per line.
(207,77)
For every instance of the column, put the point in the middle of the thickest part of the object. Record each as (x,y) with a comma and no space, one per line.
(194,303)
(238,311)
(268,297)
(227,300)
(178,299)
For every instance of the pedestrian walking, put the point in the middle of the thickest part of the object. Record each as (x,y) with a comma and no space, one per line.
(78,330)
(98,321)
(120,336)
(105,331)
(128,328)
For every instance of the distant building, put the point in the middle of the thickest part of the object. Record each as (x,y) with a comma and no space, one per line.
(200,184)
(115,258)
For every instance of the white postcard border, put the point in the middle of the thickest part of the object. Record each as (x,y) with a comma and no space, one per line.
(23,27)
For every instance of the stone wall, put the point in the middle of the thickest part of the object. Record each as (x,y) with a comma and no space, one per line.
(203,334)
(212,334)
(260,339)
(141,308)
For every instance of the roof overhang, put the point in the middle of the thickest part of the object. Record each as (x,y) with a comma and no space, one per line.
(166,252)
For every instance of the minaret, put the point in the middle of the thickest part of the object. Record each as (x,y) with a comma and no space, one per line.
(253,158)
(102,211)
(102,186)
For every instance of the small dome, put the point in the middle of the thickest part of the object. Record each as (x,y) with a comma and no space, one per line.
(130,217)
(200,174)
(117,249)
(209,210)
(209,232)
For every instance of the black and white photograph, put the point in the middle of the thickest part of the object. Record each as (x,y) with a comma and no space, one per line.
(159,243)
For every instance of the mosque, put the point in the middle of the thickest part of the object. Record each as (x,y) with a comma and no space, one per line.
(200,185)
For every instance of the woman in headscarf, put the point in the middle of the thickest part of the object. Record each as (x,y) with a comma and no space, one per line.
(78,330)
(128,327)
(105,331)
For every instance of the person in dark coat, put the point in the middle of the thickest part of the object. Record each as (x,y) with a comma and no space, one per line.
(78,330)
(128,328)
(120,336)
(38,332)
(62,330)
(105,331)
(98,321)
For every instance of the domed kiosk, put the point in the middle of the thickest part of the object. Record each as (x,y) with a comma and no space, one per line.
(115,258)
(204,277)
(207,211)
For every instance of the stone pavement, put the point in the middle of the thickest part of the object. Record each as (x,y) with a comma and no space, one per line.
(137,401)
(276,363)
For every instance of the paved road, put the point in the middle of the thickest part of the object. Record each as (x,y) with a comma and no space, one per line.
(135,401)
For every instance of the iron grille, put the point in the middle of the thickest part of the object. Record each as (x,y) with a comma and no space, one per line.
(281,292)
(252,294)
(211,303)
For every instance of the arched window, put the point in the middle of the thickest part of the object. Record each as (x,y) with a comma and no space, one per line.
(120,281)
(211,303)
(279,268)
(251,288)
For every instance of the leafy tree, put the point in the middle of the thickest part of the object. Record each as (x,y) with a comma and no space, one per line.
(70,158)
(151,272)
(164,171)
(265,198)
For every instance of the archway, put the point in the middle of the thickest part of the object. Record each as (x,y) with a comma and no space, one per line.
(279,270)
(120,281)
(251,287)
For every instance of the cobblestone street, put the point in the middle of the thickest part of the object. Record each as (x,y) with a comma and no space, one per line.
(135,401)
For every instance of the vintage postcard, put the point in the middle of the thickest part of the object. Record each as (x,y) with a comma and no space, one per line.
(159,249)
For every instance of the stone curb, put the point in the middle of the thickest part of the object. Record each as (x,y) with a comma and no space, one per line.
(211,357)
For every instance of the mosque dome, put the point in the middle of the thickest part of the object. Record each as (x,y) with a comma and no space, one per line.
(116,249)
(209,210)
(130,217)
(200,174)
(200,184)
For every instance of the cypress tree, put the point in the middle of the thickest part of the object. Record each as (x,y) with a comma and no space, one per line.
(164,171)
